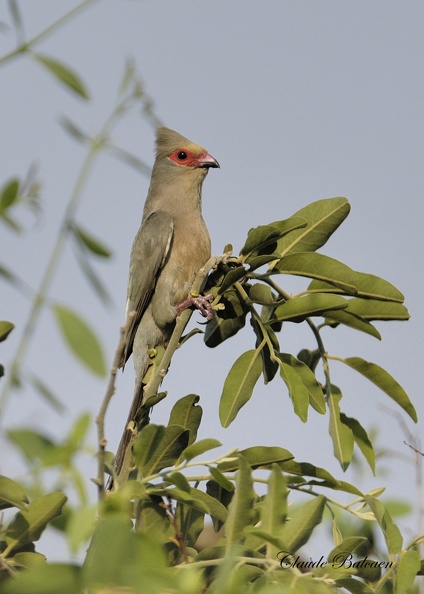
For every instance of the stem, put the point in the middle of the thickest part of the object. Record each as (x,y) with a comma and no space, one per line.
(25,46)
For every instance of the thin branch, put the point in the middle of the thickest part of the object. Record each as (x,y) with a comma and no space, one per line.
(100,419)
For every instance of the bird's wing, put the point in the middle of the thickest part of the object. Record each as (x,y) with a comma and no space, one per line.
(150,249)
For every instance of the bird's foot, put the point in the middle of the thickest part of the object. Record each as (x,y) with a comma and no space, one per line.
(200,302)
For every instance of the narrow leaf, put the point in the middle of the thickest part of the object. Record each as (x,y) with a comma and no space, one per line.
(274,508)
(341,435)
(320,267)
(367,286)
(47,393)
(200,447)
(372,309)
(9,194)
(297,390)
(258,457)
(343,316)
(81,339)
(91,243)
(73,129)
(63,73)
(239,384)
(259,237)
(361,439)
(379,376)
(240,510)
(315,393)
(391,532)
(346,547)
(300,308)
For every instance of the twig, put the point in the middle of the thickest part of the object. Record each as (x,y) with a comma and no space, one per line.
(100,419)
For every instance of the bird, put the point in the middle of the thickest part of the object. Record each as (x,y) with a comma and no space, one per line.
(170,247)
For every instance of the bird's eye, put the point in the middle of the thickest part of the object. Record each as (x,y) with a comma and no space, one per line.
(182,155)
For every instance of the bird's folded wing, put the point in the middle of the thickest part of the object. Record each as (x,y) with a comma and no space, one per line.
(149,251)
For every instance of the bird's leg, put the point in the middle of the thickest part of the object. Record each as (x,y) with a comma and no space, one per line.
(200,302)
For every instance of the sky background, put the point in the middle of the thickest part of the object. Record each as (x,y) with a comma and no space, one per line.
(298,101)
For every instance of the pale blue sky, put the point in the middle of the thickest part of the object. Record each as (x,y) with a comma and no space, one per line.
(298,101)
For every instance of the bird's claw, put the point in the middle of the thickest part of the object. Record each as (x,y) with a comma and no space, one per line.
(200,302)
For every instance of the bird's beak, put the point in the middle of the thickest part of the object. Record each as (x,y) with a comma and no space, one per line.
(206,160)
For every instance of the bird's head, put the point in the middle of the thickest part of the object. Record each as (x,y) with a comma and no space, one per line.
(176,149)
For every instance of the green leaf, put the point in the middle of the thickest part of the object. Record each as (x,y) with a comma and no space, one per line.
(27,560)
(200,447)
(91,243)
(81,339)
(379,376)
(260,237)
(346,547)
(300,308)
(273,512)
(232,277)
(47,579)
(160,448)
(315,393)
(240,510)
(181,496)
(297,390)
(371,309)
(28,524)
(391,532)
(5,329)
(187,413)
(9,194)
(11,494)
(261,293)
(93,278)
(179,480)
(303,520)
(341,434)
(33,445)
(221,479)
(258,457)
(320,267)
(238,386)
(407,569)
(74,130)
(64,74)
(343,316)
(361,439)
(222,495)
(367,286)
(323,218)
(228,321)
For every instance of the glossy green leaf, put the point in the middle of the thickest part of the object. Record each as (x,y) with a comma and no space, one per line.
(240,510)
(367,286)
(11,494)
(407,569)
(300,308)
(5,329)
(81,339)
(323,218)
(64,74)
(239,384)
(95,246)
(200,447)
(258,457)
(302,522)
(341,434)
(29,523)
(361,439)
(318,266)
(379,376)
(391,532)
